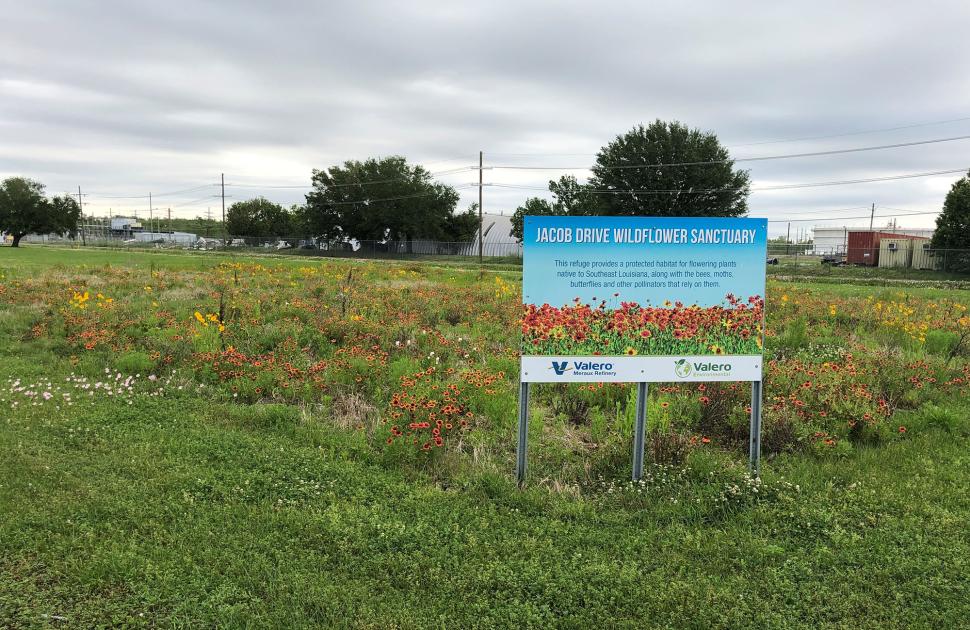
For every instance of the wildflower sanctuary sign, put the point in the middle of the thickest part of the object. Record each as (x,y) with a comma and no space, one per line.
(642,299)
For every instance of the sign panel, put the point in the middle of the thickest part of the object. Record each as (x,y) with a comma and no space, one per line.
(643,299)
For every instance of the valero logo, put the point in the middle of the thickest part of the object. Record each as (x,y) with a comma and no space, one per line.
(560,367)
(682,368)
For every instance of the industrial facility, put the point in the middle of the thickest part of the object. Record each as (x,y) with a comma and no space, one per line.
(892,247)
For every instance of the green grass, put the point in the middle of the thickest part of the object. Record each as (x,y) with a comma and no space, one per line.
(186,511)
(178,513)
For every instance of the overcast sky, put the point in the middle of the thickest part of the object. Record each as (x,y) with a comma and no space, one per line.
(124,98)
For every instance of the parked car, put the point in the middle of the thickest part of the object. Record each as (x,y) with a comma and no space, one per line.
(835,261)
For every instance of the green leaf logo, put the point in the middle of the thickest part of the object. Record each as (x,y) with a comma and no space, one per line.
(682,368)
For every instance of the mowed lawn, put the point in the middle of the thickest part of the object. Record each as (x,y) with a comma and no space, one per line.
(191,509)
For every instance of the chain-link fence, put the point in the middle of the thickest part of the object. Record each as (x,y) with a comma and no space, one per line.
(898,253)
(494,251)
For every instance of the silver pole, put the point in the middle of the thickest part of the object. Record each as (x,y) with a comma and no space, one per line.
(754,453)
(639,430)
(520,452)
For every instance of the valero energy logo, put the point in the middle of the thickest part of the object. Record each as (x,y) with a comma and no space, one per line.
(583,368)
(682,368)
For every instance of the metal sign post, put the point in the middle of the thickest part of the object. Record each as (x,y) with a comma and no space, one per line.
(520,452)
(639,431)
(754,434)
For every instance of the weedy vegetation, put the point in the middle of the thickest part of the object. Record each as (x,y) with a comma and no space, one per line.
(201,440)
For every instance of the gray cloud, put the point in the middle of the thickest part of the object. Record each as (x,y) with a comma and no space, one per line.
(126,97)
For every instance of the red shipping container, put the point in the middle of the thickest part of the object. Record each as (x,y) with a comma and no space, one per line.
(863,247)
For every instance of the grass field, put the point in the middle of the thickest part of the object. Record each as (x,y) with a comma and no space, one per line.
(209,440)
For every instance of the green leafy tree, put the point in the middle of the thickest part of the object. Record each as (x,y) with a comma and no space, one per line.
(462,227)
(702,182)
(258,217)
(298,219)
(953,227)
(569,198)
(25,210)
(534,206)
(572,198)
(705,184)
(378,200)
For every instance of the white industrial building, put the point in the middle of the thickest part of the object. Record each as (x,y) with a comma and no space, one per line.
(834,240)
(178,238)
(125,224)
(496,237)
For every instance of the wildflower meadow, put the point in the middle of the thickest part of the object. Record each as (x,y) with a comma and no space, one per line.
(299,441)
(632,329)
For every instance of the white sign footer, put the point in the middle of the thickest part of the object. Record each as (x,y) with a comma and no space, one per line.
(640,369)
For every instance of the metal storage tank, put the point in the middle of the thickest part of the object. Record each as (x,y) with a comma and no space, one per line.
(895,252)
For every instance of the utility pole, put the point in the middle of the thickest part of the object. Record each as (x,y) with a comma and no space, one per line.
(224,209)
(150,213)
(481,235)
(171,236)
(872,216)
(80,203)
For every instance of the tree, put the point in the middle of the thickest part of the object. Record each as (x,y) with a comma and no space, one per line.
(704,184)
(258,217)
(379,200)
(953,226)
(534,206)
(569,198)
(298,219)
(25,210)
(701,182)
(462,227)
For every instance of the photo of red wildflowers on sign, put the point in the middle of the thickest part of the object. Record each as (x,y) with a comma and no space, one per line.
(733,327)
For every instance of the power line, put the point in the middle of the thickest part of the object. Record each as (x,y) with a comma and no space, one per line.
(369,201)
(828,210)
(899,209)
(862,181)
(359,183)
(734,188)
(787,156)
(867,216)
(854,133)
(380,199)
(276,186)
(194,201)
(164,194)
(763,142)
